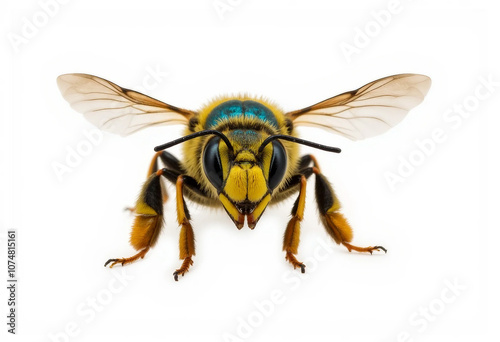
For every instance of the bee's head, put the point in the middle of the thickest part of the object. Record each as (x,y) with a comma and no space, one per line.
(244,176)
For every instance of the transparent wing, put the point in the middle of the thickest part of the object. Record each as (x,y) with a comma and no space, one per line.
(367,111)
(116,109)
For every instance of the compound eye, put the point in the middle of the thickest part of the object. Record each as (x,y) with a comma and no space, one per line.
(212,164)
(278,165)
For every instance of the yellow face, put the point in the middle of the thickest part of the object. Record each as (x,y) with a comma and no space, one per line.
(231,168)
(243,177)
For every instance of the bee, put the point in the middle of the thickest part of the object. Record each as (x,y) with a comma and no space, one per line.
(241,154)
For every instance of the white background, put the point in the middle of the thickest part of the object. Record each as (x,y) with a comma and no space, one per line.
(437,224)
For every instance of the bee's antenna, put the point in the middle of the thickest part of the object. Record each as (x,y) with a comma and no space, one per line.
(195,135)
(298,141)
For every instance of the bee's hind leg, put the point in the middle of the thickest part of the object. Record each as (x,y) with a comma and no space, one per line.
(170,161)
(148,220)
(149,207)
(335,223)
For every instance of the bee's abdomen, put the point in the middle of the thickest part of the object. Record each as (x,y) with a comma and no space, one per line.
(234,109)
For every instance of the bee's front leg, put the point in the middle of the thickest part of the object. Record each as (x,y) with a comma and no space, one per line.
(186,238)
(291,238)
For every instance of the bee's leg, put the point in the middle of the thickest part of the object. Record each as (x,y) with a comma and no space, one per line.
(170,161)
(335,223)
(292,234)
(148,220)
(186,239)
(306,160)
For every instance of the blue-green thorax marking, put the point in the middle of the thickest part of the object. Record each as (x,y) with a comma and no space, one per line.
(236,108)
(245,137)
